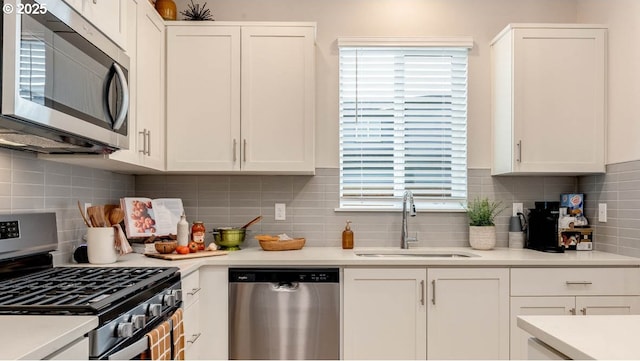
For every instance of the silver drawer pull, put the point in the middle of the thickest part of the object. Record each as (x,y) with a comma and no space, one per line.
(194,337)
(579,283)
(194,291)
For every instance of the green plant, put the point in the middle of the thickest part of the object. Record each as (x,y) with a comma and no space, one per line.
(482,212)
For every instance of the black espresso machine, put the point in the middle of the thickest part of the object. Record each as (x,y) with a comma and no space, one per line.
(542,227)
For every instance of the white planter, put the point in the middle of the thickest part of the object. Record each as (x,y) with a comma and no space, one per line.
(482,237)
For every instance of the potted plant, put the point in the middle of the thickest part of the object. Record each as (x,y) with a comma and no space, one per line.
(482,227)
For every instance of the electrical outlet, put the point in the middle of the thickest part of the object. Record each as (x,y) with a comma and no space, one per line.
(281,212)
(517,208)
(602,212)
(86,205)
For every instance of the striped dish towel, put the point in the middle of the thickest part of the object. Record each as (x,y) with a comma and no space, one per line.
(178,335)
(160,342)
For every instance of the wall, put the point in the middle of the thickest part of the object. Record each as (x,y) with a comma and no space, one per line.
(28,184)
(234,200)
(623,19)
(481,19)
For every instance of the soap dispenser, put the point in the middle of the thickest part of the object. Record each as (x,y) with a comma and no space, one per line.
(347,237)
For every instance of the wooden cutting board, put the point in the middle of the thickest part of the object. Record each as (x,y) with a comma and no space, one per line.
(177,256)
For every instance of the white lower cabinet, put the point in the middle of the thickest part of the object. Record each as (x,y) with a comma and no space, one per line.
(389,314)
(213,314)
(384,314)
(77,350)
(570,291)
(468,313)
(191,302)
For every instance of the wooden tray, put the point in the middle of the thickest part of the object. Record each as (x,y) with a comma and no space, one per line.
(287,245)
(177,256)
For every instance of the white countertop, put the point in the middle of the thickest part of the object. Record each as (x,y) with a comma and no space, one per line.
(35,337)
(332,256)
(597,337)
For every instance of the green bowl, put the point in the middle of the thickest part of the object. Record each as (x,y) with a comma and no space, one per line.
(229,239)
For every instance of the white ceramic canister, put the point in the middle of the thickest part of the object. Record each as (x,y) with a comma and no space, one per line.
(101,245)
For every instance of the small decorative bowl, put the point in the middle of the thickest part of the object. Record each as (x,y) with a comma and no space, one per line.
(165,247)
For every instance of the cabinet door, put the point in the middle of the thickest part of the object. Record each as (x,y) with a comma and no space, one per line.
(608,305)
(203,98)
(559,100)
(214,303)
(534,306)
(150,86)
(109,16)
(468,314)
(277,92)
(384,315)
(193,339)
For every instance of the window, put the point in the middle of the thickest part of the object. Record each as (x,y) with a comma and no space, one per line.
(403,116)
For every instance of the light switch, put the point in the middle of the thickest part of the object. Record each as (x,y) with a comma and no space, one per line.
(281,212)
(602,212)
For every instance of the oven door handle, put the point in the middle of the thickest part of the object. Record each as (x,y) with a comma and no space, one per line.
(132,350)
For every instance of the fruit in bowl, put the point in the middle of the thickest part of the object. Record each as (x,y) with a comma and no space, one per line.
(166,247)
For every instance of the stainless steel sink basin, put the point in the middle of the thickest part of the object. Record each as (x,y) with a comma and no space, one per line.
(418,254)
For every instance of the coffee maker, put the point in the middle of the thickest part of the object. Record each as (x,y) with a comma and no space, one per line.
(542,231)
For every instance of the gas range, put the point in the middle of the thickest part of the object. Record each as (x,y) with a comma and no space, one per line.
(128,301)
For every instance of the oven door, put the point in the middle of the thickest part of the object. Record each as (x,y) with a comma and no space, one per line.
(60,72)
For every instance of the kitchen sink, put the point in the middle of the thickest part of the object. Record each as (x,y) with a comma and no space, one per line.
(417,254)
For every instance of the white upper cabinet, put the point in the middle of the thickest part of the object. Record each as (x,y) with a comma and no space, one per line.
(549,99)
(109,16)
(240,97)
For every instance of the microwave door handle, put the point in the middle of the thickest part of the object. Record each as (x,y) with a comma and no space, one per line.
(124,97)
(131,351)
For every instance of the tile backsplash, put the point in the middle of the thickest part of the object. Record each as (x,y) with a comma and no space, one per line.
(619,188)
(28,184)
(230,200)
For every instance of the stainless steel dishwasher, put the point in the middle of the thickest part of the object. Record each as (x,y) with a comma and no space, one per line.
(284,313)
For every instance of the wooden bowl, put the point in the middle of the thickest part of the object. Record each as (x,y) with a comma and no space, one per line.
(278,245)
(165,247)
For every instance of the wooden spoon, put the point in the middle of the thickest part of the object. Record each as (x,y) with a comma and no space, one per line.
(253,221)
(116,216)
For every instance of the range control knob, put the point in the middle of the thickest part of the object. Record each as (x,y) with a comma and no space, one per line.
(178,294)
(155,309)
(124,329)
(138,321)
(169,300)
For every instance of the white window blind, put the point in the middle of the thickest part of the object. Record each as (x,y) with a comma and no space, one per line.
(403,117)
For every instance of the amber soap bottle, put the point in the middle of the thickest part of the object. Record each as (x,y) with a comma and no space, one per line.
(347,237)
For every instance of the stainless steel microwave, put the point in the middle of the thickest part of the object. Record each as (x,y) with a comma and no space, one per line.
(64,83)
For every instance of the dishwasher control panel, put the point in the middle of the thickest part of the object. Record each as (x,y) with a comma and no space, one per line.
(305,275)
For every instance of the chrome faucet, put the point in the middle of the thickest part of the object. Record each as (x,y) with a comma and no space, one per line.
(411,209)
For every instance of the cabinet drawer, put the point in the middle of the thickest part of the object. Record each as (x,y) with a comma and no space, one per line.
(574,281)
(190,288)
(192,331)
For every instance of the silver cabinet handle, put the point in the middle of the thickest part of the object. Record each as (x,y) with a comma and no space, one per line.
(579,283)
(149,143)
(244,151)
(234,150)
(144,141)
(433,298)
(572,311)
(194,337)
(519,156)
(422,292)
(194,291)
(583,311)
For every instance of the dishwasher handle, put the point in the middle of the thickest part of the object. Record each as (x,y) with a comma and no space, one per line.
(285,286)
